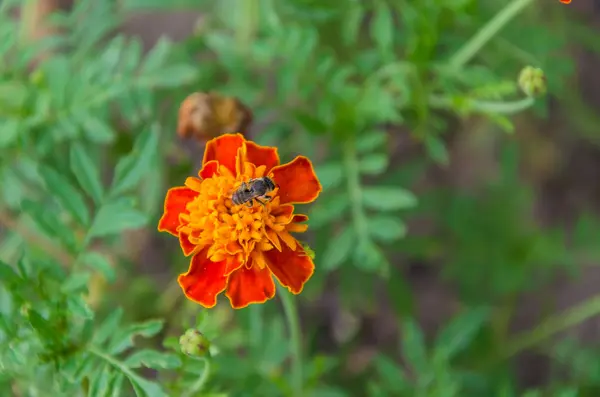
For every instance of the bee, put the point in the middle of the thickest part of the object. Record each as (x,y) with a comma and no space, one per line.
(255,189)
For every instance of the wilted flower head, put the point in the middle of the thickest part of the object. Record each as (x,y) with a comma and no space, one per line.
(237,248)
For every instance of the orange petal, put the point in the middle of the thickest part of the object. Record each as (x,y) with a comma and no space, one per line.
(175,202)
(204,280)
(298,218)
(209,169)
(250,285)
(223,149)
(297,181)
(283,213)
(291,268)
(186,246)
(262,155)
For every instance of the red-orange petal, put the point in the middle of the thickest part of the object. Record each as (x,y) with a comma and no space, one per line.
(209,169)
(175,202)
(298,218)
(223,149)
(204,280)
(297,181)
(283,213)
(262,155)
(291,268)
(187,247)
(250,285)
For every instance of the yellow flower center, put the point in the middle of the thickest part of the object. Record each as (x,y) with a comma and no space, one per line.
(234,231)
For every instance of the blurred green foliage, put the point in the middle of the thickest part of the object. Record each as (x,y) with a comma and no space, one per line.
(374,92)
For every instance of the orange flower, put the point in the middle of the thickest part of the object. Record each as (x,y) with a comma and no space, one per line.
(235,247)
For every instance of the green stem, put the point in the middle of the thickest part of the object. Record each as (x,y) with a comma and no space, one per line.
(551,326)
(511,107)
(489,30)
(291,315)
(199,385)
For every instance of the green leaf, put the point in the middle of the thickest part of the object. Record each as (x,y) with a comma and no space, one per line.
(8,276)
(157,56)
(131,168)
(330,174)
(437,150)
(115,217)
(99,263)
(391,374)
(97,130)
(373,164)
(169,77)
(339,249)
(86,172)
(69,198)
(371,140)
(310,123)
(49,223)
(79,307)
(459,333)
(123,339)
(388,198)
(152,359)
(351,23)
(329,209)
(368,257)
(75,283)
(386,229)
(10,132)
(108,327)
(413,347)
(382,27)
(100,381)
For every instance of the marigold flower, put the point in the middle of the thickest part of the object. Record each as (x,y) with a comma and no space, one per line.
(236,248)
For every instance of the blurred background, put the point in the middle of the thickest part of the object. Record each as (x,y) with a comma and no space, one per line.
(457,236)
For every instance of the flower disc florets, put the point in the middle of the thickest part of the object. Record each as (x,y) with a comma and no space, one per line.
(239,248)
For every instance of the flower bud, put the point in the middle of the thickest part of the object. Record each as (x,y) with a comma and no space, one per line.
(194,343)
(532,81)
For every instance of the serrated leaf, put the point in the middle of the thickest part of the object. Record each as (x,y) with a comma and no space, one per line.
(388,198)
(100,382)
(131,168)
(99,263)
(457,335)
(413,347)
(373,164)
(79,307)
(382,26)
(68,197)
(115,217)
(86,172)
(152,359)
(370,140)
(385,228)
(339,249)
(108,327)
(123,339)
(330,174)
(97,130)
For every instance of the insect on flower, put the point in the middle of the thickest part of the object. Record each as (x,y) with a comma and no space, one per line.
(234,248)
(255,189)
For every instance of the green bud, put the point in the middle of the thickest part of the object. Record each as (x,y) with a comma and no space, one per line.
(194,343)
(532,81)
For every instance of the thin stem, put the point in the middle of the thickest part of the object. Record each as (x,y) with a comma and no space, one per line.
(489,30)
(291,315)
(553,325)
(500,107)
(201,380)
